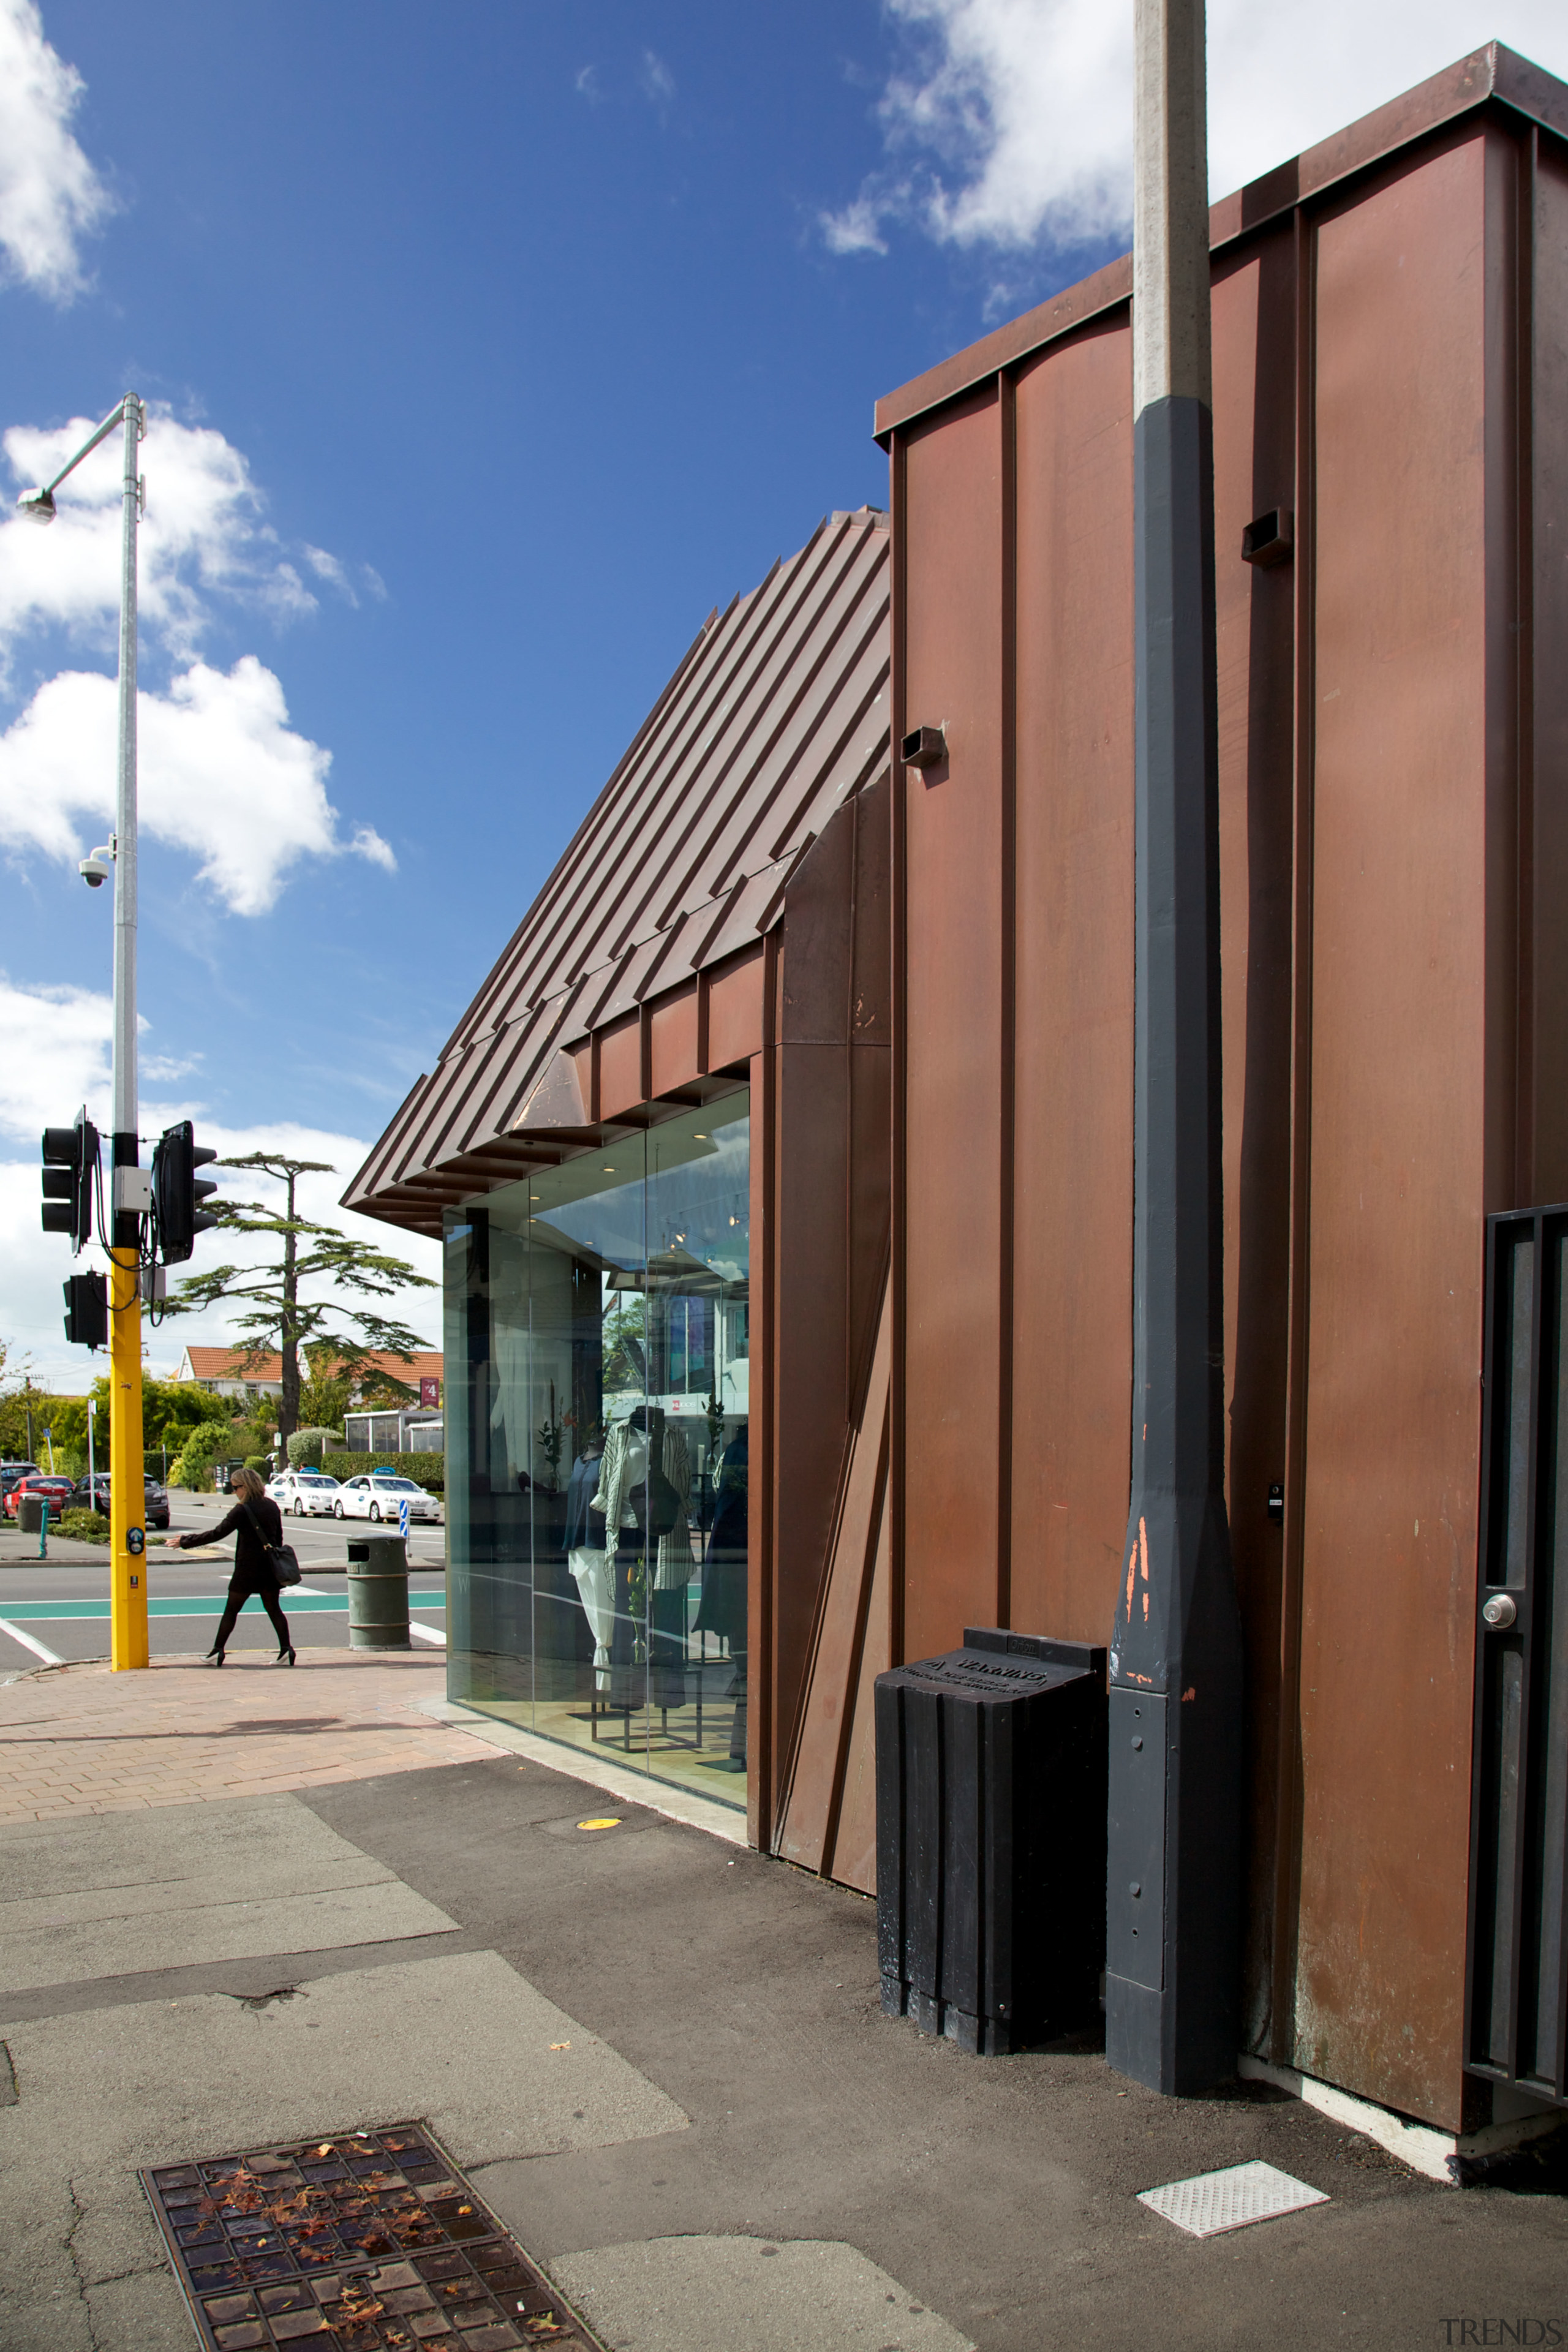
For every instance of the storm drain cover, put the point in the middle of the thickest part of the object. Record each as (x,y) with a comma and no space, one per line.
(361,2242)
(1212,2201)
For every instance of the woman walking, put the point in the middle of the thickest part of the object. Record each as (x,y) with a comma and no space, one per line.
(255,1522)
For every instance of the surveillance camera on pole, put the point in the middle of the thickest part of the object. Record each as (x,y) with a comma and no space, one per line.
(97,867)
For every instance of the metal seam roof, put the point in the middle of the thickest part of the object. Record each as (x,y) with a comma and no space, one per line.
(776,713)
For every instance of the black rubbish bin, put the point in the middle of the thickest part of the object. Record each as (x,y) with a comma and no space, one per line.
(990,1795)
(378,1594)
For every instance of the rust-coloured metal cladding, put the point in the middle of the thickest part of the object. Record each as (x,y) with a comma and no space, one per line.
(675,1039)
(1073,1059)
(1494,72)
(735,1009)
(775,716)
(954,828)
(1254,320)
(621,1084)
(1399,1130)
(827,1257)
(1544,748)
(1390,324)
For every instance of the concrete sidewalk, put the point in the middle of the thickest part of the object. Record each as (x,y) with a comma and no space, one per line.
(240,1910)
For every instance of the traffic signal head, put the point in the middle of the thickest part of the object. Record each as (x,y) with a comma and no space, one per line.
(178,1192)
(70,1172)
(87,1310)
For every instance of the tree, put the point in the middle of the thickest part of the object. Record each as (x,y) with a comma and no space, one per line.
(325,1397)
(276,1316)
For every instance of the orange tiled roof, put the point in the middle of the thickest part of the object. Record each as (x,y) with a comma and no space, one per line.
(230,1364)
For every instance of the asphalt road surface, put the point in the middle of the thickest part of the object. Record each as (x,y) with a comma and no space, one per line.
(58,1609)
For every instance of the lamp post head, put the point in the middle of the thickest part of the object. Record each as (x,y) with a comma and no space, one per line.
(38,506)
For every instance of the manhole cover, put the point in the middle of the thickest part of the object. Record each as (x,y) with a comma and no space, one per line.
(362,2241)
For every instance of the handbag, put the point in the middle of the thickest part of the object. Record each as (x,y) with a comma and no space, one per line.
(663,1503)
(280,1557)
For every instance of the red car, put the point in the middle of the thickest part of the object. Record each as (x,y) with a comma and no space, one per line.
(57,1489)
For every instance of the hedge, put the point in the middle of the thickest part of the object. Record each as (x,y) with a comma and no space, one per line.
(81,1526)
(425,1469)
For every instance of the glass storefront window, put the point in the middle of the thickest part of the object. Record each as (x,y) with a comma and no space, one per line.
(597,1406)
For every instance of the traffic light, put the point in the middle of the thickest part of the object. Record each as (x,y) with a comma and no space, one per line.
(70,1172)
(178,1190)
(87,1310)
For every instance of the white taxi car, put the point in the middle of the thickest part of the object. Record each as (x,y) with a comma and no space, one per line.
(379,1495)
(305,1494)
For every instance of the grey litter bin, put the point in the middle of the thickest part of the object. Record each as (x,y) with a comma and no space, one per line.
(30,1516)
(378,1594)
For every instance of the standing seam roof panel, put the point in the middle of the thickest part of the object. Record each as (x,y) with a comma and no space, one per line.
(775,715)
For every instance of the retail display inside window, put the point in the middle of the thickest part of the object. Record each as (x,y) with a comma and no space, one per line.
(598,1370)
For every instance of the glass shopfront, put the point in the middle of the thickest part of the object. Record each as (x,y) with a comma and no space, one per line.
(596,1347)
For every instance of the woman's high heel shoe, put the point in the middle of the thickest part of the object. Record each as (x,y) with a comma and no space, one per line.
(212,1658)
(286,1658)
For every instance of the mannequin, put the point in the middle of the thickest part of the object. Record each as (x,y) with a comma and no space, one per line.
(653,1605)
(724,1576)
(588,1559)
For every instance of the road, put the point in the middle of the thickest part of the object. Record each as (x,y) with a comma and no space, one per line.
(58,1609)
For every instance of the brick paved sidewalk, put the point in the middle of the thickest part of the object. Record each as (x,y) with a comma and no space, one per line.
(80,1739)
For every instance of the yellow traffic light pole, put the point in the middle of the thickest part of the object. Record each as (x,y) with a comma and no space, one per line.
(127,1489)
(128,1200)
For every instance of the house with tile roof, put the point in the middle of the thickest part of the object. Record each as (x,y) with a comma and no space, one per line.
(237,1372)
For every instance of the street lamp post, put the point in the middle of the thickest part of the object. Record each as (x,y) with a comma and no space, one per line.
(1174,1885)
(129,1196)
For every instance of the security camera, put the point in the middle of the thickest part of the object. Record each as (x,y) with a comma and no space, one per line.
(96,871)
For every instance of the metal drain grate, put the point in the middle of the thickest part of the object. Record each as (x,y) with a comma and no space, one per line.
(1212,2201)
(369,2242)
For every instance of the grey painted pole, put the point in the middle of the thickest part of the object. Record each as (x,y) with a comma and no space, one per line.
(1173,1888)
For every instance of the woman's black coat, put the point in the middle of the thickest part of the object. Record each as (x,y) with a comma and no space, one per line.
(250,1569)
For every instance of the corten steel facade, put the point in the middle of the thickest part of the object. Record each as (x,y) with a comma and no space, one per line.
(924,977)
(1391,367)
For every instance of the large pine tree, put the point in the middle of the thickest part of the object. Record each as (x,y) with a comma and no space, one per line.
(275,1318)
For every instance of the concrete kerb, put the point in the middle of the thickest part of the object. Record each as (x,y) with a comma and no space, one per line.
(1437,2155)
(632,1788)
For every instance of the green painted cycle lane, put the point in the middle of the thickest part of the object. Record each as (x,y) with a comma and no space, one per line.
(194,1605)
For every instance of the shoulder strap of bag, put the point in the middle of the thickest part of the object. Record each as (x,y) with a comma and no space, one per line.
(279,1557)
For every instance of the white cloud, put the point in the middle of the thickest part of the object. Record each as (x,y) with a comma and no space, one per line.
(222,776)
(857,228)
(1008,124)
(57,1057)
(586,85)
(50,197)
(327,567)
(203,536)
(658,82)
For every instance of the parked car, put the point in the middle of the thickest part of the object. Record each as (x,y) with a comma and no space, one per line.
(57,1489)
(12,1473)
(379,1495)
(93,1495)
(307,1494)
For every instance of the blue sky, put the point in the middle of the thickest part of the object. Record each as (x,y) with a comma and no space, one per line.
(490,348)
